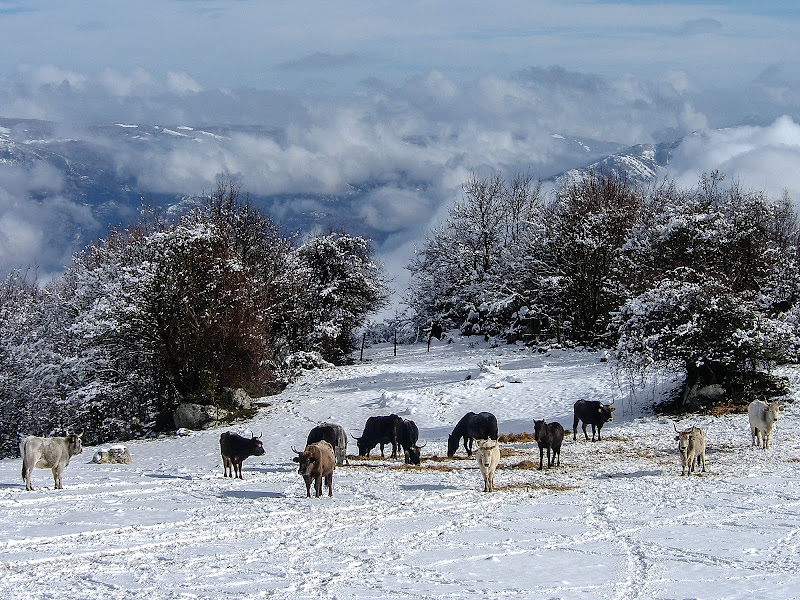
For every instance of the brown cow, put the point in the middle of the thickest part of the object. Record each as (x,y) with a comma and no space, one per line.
(317,462)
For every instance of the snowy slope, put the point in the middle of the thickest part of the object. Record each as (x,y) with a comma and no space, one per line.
(616,520)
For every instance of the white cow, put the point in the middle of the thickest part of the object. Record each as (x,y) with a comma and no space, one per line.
(692,447)
(488,456)
(763,416)
(48,453)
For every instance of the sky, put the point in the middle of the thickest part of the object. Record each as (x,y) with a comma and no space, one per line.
(406,98)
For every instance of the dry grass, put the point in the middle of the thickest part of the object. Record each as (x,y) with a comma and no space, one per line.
(516,438)
(533,487)
(506,452)
(434,467)
(528,465)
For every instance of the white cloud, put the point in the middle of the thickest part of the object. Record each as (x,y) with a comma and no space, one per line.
(182,83)
(139,82)
(38,233)
(760,158)
(50,75)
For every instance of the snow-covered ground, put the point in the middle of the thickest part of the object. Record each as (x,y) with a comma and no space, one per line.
(616,520)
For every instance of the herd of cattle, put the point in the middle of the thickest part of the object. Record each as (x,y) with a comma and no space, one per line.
(326,444)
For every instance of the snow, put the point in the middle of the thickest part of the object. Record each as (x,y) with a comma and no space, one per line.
(615,521)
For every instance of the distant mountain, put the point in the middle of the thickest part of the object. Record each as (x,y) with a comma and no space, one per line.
(90,172)
(639,163)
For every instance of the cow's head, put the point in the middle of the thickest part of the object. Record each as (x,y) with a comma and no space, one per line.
(604,412)
(305,459)
(256,446)
(538,428)
(452,444)
(363,446)
(684,438)
(413,455)
(771,411)
(485,448)
(74,443)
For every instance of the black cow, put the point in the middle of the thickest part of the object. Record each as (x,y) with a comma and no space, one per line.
(334,435)
(234,449)
(471,427)
(407,436)
(549,436)
(591,412)
(379,430)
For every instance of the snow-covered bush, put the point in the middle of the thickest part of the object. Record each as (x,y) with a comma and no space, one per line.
(171,311)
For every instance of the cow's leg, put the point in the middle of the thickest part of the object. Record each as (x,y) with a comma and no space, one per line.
(26,474)
(765,435)
(599,427)
(307,479)
(541,457)
(57,477)
(329,483)
(468,445)
(575,428)
(382,456)
(586,435)
(394,449)
(549,460)
(318,485)
(754,435)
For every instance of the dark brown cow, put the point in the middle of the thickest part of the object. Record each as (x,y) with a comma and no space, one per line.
(549,436)
(234,449)
(316,463)
(590,412)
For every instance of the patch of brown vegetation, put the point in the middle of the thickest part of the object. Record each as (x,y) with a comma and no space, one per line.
(434,467)
(528,465)
(516,438)
(533,487)
(506,452)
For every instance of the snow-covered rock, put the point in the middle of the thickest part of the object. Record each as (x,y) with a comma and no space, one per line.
(114,455)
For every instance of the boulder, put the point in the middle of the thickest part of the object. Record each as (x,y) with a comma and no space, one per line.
(236,398)
(115,455)
(195,416)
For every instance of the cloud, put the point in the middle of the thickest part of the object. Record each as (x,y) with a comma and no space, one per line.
(320,61)
(760,158)
(699,27)
(39,228)
(137,83)
(182,83)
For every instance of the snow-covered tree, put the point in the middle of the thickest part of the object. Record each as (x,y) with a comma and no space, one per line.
(341,286)
(717,285)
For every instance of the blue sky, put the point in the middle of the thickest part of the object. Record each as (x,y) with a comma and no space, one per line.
(235,43)
(387,93)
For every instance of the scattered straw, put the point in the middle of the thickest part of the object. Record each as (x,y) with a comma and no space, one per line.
(516,438)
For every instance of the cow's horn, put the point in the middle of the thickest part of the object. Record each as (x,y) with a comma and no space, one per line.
(676,428)
(295,451)
(354,437)
(423,445)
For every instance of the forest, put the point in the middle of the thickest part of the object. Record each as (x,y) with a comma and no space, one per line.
(174,309)
(183,308)
(703,281)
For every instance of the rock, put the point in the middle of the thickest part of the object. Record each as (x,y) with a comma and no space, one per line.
(699,396)
(195,416)
(236,398)
(115,455)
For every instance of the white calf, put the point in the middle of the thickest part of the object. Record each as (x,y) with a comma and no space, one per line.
(488,456)
(763,416)
(692,447)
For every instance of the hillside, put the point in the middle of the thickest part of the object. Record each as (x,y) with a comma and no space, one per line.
(616,520)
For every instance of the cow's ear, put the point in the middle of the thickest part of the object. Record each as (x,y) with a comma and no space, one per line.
(296,459)
(613,408)
(677,437)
